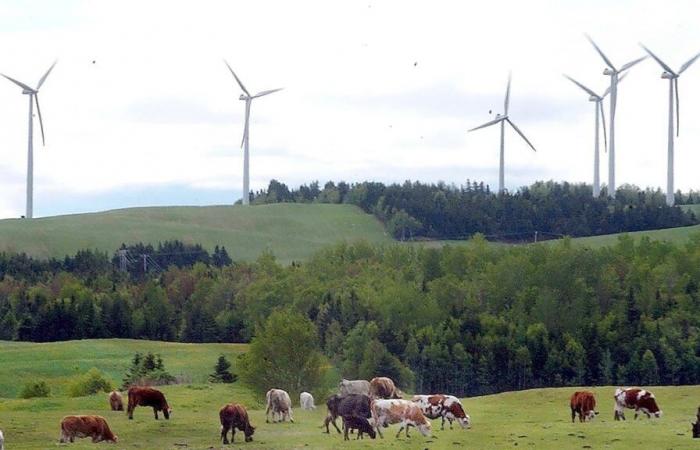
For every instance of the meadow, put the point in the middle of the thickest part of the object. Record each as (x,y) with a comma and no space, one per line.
(538,419)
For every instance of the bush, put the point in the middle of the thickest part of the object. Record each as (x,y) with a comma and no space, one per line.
(34,389)
(90,383)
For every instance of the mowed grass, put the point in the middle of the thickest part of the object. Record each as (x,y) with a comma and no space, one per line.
(537,419)
(291,231)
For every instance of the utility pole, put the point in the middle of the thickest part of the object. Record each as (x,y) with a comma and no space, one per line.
(536,236)
(145,263)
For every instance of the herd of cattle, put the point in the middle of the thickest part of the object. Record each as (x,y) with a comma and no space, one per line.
(365,406)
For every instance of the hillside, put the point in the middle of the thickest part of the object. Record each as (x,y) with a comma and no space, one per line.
(291,231)
(537,418)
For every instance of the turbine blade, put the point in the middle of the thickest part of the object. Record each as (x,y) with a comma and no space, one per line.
(678,108)
(263,93)
(657,59)
(507,101)
(488,124)
(41,81)
(600,52)
(632,63)
(688,64)
(590,92)
(521,134)
(18,83)
(41,121)
(605,133)
(237,79)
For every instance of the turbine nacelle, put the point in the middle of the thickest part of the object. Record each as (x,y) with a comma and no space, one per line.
(593,98)
(668,76)
(608,72)
(243,97)
(28,92)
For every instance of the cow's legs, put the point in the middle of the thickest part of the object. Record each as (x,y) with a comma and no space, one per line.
(130,411)
(345,430)
(267,412)
(289,415)
(442,426)
(155,412)
(378,426)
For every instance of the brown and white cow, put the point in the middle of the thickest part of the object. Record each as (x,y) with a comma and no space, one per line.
(94,427)
(279,403)
(387,412)
(383,387)
(583,404)
(444,406)
(115,401)
(234,416)
(146,396)
(347,387)
(637,399)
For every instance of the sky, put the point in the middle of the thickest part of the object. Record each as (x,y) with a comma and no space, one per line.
(140,109)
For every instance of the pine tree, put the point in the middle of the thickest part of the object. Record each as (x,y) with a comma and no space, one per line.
(222,374)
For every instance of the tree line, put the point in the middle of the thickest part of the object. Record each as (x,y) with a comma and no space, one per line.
(468,319)
(441,211)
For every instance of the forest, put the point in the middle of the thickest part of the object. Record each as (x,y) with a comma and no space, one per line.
(439,211)
(470,319)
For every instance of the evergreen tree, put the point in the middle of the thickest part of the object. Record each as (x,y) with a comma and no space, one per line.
(222,374)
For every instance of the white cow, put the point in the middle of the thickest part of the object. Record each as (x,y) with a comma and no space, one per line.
(2,441)
(279,403)
(306,401)
(388,412)
(347,387)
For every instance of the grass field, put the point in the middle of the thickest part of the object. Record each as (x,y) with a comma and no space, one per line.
(537,419)
(292,231)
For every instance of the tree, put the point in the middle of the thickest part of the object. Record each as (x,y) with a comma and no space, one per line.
(649,370)
(222,374)
(284,354)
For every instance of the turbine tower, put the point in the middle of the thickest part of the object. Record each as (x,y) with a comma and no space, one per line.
(614,75)
(599,113)
(672,78)
(246,134)
(33,98)
(502,119)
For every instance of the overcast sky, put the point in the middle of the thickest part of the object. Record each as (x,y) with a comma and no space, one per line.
(141,110)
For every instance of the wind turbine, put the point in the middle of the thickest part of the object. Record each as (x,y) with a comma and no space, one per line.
(502,119)
(672,78)
(614,74)
(246,134)
(33,98)
(599,113)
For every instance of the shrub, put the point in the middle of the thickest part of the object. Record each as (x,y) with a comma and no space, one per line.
(90,383)
(33,389)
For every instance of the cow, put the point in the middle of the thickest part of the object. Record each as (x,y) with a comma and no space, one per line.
(115,401)
(347,387)
(637,399)
(583,404)
(696,427)
(2,441)
(352,408)
(383,387)
(444,406)
(306,401)
(146,396)
(94,427)
(333,403)
(387,412)
(361,424)
(234,416)
(279,402)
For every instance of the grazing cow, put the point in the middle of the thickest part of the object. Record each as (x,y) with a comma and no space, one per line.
(115,401)
(387,412)
(234,416)
(383,387)
(444,406)
(583,403)
(347,387)
(279,402)
(306,401)
(351,409)
(361,424)
(333,403)
(696,427)
(94,427)
(146,396)
(637,399)
(2,441)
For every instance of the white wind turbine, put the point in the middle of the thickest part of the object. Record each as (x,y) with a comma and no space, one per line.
(33,98)
(246,134)
(672,78)
(502,119)
(599,114)
(614,74)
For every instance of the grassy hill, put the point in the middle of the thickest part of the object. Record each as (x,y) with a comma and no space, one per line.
(291,231)
(537,418)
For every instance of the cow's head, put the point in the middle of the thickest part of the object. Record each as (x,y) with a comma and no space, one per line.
(249,433)
(424,428)
(465,422)
(167,411)
(591,414)
(114,439)
(647,403)
(696,429)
